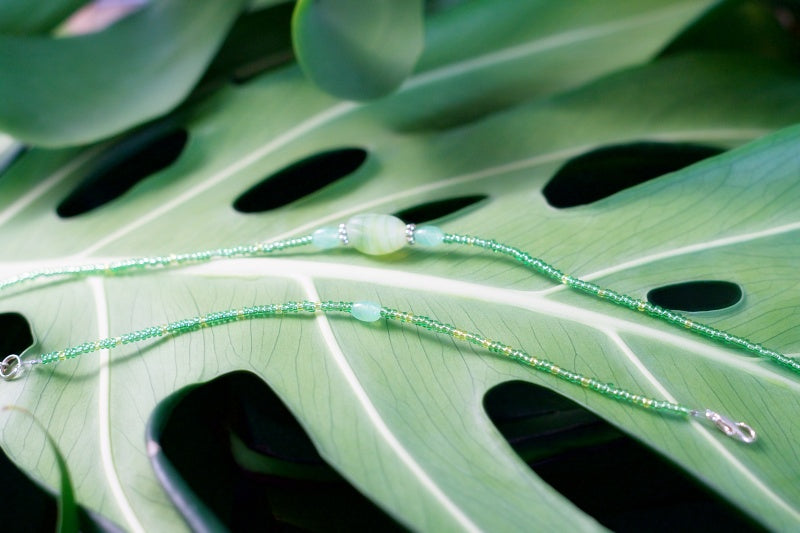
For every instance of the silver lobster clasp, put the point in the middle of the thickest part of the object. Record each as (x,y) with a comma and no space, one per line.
(735,430)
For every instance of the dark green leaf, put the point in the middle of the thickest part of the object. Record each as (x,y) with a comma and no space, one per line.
(358,50)
(79,89)
(23,17)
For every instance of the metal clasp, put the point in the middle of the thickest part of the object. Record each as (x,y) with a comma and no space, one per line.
(735,430)
(10,367)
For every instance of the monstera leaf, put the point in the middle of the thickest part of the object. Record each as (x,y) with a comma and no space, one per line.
(414,401)
(396,411)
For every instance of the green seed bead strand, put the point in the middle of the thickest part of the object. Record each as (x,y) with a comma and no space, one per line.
(160,261)
(10,367)
(262,311)
(542,365)
(193,324)
(623,300)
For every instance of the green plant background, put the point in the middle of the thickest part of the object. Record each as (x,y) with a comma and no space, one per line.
(399,412)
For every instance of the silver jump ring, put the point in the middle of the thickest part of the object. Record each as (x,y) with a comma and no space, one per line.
(10,367)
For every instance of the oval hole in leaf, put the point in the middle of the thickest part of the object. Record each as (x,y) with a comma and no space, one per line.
(622,484)
(124,165)
(429,211)
(692,296)
(17,336)
(600,173)
(300,179)
(260,470)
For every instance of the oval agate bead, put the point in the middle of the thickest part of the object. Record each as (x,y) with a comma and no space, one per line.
(376,234)
(366,311)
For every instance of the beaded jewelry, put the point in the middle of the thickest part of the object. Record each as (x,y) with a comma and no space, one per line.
(378,235)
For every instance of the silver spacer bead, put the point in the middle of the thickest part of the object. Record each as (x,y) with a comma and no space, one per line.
(410,234)
(343,234)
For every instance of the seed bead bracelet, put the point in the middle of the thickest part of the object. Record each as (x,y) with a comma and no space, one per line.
(376,234)
(13,365)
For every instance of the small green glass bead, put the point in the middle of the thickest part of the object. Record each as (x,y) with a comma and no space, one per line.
(428,236)
(326,238)
(366,311)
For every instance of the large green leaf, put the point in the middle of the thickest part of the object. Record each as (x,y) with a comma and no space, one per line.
(138,69)
(397,412)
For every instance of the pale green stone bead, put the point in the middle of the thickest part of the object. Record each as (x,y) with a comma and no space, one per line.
(376,234)
(325,238)
(366,311)
(429,236)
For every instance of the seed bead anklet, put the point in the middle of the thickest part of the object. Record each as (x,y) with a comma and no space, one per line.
(12,366)
(376,234)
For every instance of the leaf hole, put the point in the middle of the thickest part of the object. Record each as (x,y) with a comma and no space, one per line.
(122,166)
(17,336)
(437,209)
(694,296)
(260,470)
(621,483)
(600,173)
(300,179)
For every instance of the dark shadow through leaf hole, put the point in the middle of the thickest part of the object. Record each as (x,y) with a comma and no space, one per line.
(124,165)
(300,179)
(422,213)
(621,483)
(37,505)
(600,173)
(17,336)
(692,296)
(232,455)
